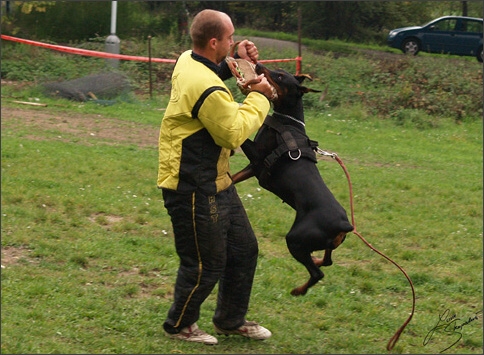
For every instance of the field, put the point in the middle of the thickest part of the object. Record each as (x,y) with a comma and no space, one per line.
(88,261)
(88,258)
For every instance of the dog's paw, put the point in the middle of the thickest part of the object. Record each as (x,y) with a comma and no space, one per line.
(300,291)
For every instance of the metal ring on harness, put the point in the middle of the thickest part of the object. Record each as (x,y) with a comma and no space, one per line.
(290,156)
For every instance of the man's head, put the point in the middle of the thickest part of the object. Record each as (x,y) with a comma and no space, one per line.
(212,34)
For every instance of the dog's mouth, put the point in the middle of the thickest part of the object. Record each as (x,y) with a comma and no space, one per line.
(260,69)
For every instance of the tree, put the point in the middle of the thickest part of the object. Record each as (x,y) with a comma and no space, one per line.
(364,21)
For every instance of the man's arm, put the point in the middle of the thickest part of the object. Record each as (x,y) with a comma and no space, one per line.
(246,50)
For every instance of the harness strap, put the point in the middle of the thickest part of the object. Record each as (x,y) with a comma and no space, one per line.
(283,131)
(300,147)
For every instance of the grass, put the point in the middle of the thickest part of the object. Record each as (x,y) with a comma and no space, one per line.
(91,261)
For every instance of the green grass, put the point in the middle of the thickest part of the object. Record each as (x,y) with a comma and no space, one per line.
(92,261)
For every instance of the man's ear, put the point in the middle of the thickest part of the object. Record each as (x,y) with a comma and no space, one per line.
(213,43)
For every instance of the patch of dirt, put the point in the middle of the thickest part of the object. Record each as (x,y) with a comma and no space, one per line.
(105,220)
(85,127)
(12,255)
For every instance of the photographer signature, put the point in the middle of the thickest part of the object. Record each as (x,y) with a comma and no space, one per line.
(450,324)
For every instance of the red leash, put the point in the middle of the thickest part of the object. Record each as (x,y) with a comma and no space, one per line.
(393,340)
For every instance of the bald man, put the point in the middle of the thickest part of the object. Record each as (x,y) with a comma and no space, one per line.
(213,237)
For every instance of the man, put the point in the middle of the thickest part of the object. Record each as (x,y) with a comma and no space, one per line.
(213,237)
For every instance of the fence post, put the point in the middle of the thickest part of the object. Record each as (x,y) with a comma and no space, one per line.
(298,65)
(299,58)
(112,41)
(149,66)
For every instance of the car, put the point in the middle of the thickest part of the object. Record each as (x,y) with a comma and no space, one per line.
(460,35)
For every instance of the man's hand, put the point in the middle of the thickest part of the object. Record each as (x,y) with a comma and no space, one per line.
(263,87)
(248,51)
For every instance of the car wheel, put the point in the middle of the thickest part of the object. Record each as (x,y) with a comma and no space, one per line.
(411,46)
(480,54)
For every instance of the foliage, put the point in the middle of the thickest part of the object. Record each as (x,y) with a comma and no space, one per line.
(355,21)
(431,85)
(81,20)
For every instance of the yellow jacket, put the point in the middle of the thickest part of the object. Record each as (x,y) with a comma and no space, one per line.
(201,125)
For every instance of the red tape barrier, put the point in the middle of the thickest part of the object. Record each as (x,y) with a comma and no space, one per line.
(86,51)
(91,53)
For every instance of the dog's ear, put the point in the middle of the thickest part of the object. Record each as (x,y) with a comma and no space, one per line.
(301,77)
(305,90)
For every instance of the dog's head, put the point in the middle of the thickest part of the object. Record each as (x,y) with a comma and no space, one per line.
(288,86)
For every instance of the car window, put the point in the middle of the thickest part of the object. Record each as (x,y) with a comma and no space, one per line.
(471,26)
(445,25)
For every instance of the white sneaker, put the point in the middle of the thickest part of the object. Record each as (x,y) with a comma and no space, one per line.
(195,334)
(249,329)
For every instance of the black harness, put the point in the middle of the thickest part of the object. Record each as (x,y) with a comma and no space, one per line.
(291,141)
(292,144)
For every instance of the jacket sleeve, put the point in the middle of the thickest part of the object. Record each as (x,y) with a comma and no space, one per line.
(230,123)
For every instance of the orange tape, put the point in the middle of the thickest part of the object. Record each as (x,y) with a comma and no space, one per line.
(86,51)
(91,53)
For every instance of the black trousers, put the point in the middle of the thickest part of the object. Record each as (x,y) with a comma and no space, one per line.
(215,243)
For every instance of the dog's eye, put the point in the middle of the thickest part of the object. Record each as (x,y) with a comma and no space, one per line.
(279,77)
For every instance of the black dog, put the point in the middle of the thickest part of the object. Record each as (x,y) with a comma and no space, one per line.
(283,159)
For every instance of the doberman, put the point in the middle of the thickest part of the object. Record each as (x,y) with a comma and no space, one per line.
(283,159)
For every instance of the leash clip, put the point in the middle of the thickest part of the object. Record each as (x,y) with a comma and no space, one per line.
(323,152)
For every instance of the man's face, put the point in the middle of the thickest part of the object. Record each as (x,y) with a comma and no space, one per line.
(227,40)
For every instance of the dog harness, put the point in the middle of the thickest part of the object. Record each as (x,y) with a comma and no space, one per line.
(293,142)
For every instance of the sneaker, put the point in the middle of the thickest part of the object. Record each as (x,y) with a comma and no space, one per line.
(195,334)
(250,330)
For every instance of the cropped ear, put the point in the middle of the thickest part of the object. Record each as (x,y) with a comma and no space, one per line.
(301,77)
(305,90)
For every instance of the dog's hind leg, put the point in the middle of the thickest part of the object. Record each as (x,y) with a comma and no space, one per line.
(302,290)
(304,257)
(325,261)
